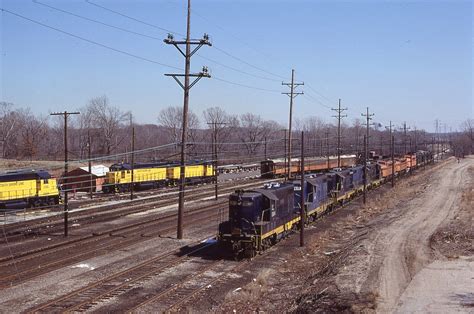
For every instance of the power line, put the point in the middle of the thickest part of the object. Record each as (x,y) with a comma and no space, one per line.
(169,31)
(246,86)
(89,41)
(314,90)
(149,37)
(249,64)
(133,19)
(307,95)
(237,70)
(96,21)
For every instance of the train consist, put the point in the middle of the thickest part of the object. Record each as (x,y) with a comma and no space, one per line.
(28,188)
(154,175)
(274,168)
(261,217)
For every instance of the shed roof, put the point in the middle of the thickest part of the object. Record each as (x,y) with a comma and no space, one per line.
(98,170)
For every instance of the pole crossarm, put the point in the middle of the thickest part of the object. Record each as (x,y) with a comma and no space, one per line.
(198,76)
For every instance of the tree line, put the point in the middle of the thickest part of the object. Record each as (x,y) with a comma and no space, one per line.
(240,138)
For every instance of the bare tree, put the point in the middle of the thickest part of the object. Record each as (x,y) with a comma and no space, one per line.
(32,131)
(253,130)
(9,119)
(171,118)
(108,119)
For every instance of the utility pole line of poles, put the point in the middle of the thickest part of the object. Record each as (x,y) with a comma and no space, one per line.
(214,148)
(65,114)
(339,116)
(132,187)
(405,128)
(392,153)
(187,54)
(292,94)
(437,136)
(327,147)
(302,196)
(368,117)
(90,161)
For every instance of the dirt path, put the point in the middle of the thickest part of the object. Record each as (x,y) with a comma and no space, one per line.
(401,249)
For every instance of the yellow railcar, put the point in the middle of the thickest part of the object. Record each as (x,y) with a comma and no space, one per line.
(29,188)
(153,175)
(194,173)
(145,175)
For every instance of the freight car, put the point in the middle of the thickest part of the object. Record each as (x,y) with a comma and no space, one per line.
(154,175)
(27,188)
(273,168)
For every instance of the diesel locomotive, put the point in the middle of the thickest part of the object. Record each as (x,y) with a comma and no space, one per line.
(154,175)
(261,217)
(27,188)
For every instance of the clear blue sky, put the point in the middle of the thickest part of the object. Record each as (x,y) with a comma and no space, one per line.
(407,61)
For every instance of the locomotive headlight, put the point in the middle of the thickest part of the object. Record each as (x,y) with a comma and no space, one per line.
(247,203)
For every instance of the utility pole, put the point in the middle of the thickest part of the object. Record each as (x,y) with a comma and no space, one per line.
(366,153)
(292,94)
(405,137)
(339,110)
(392,153)
(187,54)
(90,162)
(327,147)
(132,163)
(265,149)
(416,145)
(65,114)
(286,160)
(302,209)
(437,136)
(214,148)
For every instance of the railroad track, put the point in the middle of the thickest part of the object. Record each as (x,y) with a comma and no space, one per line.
(174,297)
(84,298)
(28,265)
(50,225)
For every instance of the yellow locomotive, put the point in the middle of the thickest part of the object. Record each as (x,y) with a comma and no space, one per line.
(28,188)
(154,175)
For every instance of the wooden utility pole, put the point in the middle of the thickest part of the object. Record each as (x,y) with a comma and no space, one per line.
(214,148)
(65,114)
(292,94)
(327,148)
(90,162)
(339,110)
(392,153)
(405,128)
(186,87)
(302,209)
(393,161)
(132,184)
(366,150)
(265,149)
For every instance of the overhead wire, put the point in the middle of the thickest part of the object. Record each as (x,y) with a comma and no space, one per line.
(133,19)
(89,40)
(96,21)
(217,48)
(151,37)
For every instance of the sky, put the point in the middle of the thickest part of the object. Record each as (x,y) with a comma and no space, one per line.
(405,60)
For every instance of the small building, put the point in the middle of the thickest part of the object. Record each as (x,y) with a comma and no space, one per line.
(80,180)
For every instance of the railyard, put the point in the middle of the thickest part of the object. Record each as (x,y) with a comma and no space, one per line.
(122,192)
(129,262)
